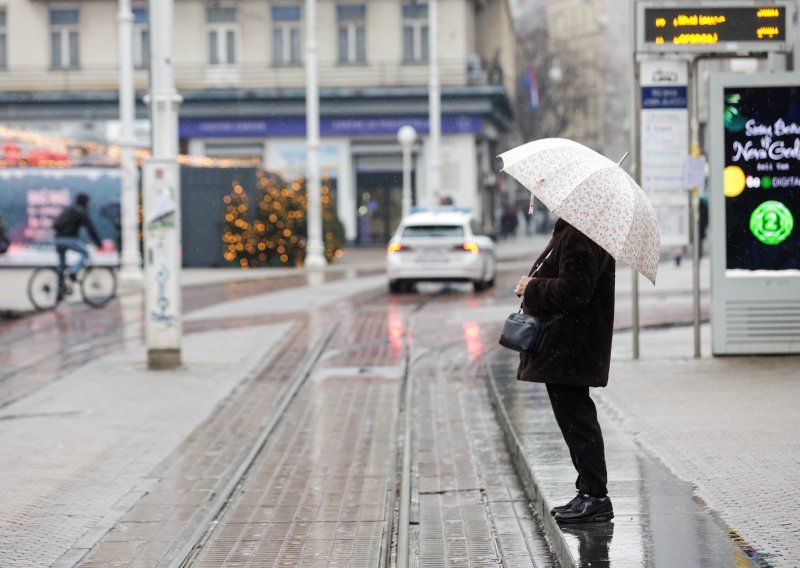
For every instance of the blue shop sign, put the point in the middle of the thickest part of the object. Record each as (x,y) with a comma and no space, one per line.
(329,126)
(664,97)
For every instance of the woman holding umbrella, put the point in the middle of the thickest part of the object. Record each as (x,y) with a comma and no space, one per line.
(603,215)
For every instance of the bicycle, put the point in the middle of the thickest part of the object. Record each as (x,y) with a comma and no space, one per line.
(97,285)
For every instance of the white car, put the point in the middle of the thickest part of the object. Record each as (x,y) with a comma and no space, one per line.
(440,246)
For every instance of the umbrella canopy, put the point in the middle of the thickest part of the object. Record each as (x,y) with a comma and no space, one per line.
(593,194)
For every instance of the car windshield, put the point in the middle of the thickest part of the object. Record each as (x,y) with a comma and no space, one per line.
(433,231)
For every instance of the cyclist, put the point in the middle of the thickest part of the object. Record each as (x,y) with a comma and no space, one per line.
(67,227)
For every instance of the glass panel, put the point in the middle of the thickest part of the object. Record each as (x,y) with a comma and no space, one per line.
(277,45)
(424,38)
(433,231)
(55,49)
(64,17)
(213,51)
(74,49)
(296,49)
(361,44)
(343,51)
(139,15)
(231,41)
(408,43)
(350,12)
(145,48)
(221,15)
(2,18)
(286,13)
(415,11)
(3,57)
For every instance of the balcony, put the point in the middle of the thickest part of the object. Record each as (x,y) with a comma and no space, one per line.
(452,72)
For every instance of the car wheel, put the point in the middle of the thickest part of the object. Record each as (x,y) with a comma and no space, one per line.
(480,285)
(395,286)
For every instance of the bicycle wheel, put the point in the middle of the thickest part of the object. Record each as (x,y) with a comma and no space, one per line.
(98,285)
(43,288)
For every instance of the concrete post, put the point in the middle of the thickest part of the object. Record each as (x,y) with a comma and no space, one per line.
(130,258)
(434,105)
(162,201)
(315,248)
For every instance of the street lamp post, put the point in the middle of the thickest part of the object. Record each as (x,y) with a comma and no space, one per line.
(315,257)
(130,258)
(406,135)
(434,104)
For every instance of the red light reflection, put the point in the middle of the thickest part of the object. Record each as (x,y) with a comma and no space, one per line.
(472,335)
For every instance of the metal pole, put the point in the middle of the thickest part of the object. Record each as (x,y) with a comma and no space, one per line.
(162,201)
(130,258)
(637,175)
(694,149)
(434,104)
(406,135)
(315,257)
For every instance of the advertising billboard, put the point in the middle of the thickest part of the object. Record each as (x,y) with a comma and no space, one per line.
(30,198)
(761,178)
(754,206)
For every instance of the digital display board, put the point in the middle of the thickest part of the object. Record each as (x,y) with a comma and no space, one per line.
(761,177)
(728,27)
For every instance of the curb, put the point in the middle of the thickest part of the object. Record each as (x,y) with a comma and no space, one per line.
(541,506)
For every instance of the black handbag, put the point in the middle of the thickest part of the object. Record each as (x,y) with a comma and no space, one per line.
(526,333)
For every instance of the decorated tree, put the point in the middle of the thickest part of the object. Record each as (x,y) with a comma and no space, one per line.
(274,232)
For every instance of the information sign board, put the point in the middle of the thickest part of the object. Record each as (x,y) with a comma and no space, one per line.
(664,142)
(714,27)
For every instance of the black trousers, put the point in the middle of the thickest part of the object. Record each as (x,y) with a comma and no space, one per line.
(577,418)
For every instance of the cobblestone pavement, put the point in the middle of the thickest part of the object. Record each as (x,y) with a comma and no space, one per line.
(321,492)
(469,506)
(726,424)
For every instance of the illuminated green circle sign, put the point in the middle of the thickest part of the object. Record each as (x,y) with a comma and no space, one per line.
(771,222)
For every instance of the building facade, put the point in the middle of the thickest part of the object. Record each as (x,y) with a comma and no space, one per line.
(239,67)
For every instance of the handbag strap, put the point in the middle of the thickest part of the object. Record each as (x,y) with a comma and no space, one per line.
(536,268)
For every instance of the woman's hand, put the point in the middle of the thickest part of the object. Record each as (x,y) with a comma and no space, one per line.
(519,290)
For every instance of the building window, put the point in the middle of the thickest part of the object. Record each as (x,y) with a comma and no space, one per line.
(3,36)
(286,35)
(64,48)
(415,32)
(351,34)
(141,38)
(221,36)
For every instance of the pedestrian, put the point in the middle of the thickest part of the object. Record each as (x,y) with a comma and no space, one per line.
(574,288)
(508,222)
(67,228)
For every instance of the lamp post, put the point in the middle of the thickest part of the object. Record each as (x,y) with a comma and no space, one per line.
(406,135)
(130,258)
(315,248)
(434,104)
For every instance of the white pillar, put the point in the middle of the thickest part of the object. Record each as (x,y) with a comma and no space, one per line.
(315,255)
(162,201)
(130,258)
(434,105)
(406,135)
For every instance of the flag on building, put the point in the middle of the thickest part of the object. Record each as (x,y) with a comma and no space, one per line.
(531,86)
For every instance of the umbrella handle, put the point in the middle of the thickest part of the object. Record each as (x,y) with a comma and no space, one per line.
(623,158)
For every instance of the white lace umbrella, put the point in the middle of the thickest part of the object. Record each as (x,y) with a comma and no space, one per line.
(593,194)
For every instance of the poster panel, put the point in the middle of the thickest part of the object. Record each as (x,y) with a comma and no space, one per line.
(761,178)
(30,198)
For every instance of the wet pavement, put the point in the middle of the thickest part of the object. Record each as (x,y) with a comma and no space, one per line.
(657,521)
(337,425)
